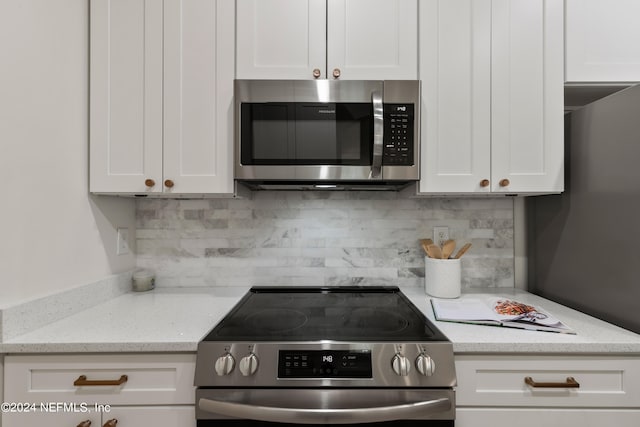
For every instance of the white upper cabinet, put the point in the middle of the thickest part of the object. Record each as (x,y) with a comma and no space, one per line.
(280,39)
(492,93)
(198,96)
(455,69)
(161,95)
(307,39)
(372,39)
(527,96)
(602,41)
(126,95)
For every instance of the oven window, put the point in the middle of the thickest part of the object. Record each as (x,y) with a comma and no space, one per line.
(400,423)
(306,133)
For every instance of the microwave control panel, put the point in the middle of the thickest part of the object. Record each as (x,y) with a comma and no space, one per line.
(398,141)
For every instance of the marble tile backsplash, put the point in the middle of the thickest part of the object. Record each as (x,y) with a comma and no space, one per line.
(319,239)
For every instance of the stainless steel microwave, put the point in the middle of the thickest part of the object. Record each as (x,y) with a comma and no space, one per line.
(327,133)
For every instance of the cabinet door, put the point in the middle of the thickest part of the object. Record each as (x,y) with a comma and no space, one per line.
(56,414)
(198,92)
(280,39)
(156,416)
(527,152)
(602,41)
(491,417)
(126,95)
(52,415)
(372,39)
(455,69)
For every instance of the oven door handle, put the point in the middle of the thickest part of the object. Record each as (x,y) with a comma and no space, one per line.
(326,416)
(378,135)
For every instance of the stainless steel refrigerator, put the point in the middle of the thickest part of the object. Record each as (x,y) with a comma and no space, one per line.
(584,244)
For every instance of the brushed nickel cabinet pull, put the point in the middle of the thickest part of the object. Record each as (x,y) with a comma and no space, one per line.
(336,73)
(83,381)
(316,72)
(569,383)
(111,423)
(86,423)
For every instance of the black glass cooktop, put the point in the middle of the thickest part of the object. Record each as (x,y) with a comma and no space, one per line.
(370,314)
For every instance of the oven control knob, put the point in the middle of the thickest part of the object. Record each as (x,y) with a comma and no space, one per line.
(225,364)
(425,365)
(401,365)
(248,365)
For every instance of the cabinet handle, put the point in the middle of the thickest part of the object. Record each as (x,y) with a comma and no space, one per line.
(484,183)
(504,182)
(336,73)
(111,423)
(168,183)
(569,383)
(316,72)
(86,423)
(149,182)
(83,381)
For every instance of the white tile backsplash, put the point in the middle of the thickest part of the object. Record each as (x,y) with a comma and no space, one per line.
(320,239)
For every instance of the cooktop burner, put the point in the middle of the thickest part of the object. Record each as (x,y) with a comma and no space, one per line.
(358,314)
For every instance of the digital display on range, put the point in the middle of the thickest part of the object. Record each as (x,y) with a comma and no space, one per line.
(324,364)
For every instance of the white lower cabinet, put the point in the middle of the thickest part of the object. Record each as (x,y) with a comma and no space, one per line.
(157,416)
(492,390)
(1,383)
(69,390)
(522,417)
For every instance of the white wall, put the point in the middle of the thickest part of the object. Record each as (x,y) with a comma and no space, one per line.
(54,236)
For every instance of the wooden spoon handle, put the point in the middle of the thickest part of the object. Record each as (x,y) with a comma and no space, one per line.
(463,250)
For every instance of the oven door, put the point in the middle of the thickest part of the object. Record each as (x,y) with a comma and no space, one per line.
(316,407)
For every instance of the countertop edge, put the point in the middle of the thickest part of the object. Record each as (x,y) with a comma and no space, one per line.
(151,347)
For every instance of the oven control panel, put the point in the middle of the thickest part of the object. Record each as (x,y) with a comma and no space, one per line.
(324,364)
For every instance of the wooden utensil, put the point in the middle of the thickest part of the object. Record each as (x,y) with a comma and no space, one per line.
(447,248)
(425,243)
(462,250)
(434,251)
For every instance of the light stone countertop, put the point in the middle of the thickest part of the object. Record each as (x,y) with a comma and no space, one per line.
(162,320)
(175,320)
(592,335)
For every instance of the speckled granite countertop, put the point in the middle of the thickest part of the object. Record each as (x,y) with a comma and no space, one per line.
(174,320)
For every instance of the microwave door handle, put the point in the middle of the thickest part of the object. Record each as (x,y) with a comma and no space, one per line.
(378,134)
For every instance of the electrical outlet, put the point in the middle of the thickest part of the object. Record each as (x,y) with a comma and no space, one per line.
(440,235)
(123,241)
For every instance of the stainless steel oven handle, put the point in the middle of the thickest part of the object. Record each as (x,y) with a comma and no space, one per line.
(325,416)
(378,134)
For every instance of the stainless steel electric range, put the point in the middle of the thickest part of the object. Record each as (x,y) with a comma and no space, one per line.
(318,356)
